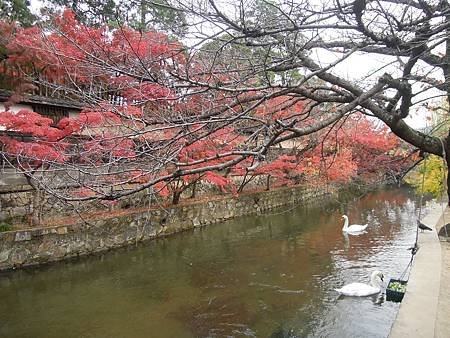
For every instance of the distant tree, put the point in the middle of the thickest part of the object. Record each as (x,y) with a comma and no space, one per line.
(429,177)
(157,14)
(17,11)
(89,12)
(142,15)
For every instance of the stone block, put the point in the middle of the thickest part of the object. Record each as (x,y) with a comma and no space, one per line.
(196,222)
(19,256)
(23,236)
(20,211)
(3,215)
(4,255)
(61,230)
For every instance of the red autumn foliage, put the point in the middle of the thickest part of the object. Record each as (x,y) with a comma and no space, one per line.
(284,169)
(32,154)
(281,107)
(209,151)
(76,53)
(110,132)
(357,148)
(28,122)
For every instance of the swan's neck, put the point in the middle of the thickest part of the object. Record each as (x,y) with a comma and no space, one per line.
(345,223)
(375,281)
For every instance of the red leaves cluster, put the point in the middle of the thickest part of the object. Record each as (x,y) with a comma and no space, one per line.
(73,52)
(359,147)
(145,92)
(108,147)
(284,169)
(28,122)
(48,143)
(281,107)
(212,150)
(33,153)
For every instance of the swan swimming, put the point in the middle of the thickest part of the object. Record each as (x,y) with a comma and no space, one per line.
(361,289)
(353,227)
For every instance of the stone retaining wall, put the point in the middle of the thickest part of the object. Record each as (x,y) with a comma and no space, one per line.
(42,245)
(16,205)
(16,200)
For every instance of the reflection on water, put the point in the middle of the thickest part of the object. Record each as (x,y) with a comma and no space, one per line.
(266,276)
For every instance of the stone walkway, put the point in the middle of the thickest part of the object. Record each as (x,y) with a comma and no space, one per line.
(418,311)
(425,310)
(442,326)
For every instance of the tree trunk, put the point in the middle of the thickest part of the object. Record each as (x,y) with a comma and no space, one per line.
(142,17)
(446,68)
(243,183)
(36,207)
(176,196)
(447,160)
(194,189)
(36,202)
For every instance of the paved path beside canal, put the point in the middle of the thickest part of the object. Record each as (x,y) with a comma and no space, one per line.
(425,309)
(442,328)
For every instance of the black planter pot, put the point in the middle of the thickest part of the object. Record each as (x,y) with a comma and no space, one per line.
(392,295)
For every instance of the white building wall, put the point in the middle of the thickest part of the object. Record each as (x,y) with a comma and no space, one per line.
(16,107)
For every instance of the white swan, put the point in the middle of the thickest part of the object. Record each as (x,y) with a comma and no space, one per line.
(353,227)
(361,289)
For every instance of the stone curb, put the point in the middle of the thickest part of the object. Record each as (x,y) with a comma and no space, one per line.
(417,314)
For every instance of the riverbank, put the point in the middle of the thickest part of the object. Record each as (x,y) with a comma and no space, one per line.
(100,232)
(425,309)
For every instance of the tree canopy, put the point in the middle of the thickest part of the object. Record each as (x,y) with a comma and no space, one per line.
(250,77)
(399,49)
(141,15)
(17,11)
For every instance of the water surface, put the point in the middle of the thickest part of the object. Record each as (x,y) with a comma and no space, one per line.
(271,275)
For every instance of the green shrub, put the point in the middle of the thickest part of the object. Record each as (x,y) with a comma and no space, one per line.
(5,227)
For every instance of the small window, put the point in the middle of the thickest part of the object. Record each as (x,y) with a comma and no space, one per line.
(53,112)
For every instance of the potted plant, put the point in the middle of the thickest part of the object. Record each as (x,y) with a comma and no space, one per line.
(396,290)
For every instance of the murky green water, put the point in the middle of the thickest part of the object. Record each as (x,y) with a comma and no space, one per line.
(266,276)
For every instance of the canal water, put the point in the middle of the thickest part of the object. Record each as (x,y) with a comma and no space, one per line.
(271,275)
